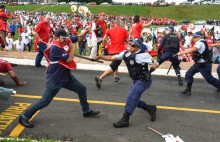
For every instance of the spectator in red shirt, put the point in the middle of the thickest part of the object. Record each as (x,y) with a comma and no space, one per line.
(3,25)
(73,31)
(137,27)
(118,36)
(42,33)
(20,29)
(103,26)
(7,68)
(102,23)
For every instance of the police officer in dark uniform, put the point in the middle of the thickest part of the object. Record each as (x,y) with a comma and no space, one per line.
(137,64)
(202,63)
(170,43)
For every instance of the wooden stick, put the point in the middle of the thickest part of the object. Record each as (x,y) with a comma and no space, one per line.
(83,57)
(155,131)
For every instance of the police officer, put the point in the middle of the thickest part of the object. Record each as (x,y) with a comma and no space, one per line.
(137,64)
(202,63)
(170,43)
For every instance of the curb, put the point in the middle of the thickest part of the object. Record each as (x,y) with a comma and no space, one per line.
(98,67)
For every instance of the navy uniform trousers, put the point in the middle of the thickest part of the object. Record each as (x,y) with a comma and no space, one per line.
(168,55)
(206,71)
(134,95)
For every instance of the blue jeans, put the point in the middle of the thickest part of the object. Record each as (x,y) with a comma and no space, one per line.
(205,70)
(134,95)
(40,55)
(29,46)
(52,89)
(82,51)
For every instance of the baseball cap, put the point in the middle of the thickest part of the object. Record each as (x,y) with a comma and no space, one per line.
(138,42)
(171,28)
(61,33)
(217,37)
(198,34)
(102,14)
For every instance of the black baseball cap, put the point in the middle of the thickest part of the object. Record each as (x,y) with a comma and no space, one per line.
(61,33)
(198,34)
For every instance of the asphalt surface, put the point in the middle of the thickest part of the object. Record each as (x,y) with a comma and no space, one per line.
(195,118)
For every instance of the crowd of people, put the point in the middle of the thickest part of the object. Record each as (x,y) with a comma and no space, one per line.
(23,23)
(112,38)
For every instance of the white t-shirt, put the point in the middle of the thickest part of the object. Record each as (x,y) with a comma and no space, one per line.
(148,45)
(187,41)
(10,43)
(93,37)
(25,37)
(19,45)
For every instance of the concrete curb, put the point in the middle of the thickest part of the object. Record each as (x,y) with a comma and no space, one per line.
(98,67)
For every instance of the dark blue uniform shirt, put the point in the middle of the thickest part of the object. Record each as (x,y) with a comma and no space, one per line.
(55,72)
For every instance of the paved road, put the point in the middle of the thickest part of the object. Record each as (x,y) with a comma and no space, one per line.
(194,118)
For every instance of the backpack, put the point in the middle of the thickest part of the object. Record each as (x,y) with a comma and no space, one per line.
(216,55)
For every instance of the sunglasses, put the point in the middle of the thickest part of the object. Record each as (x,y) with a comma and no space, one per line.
(133,45)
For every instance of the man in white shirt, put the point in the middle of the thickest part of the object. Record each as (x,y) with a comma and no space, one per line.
(148,43)
(26,39)
(94,41)
(9,40)
(188,39)
(19,44)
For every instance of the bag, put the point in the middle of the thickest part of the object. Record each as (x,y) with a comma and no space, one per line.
(216,55)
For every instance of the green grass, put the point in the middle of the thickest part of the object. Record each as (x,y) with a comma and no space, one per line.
(191,12)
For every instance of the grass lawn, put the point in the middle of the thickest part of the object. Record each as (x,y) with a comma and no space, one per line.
(181,12)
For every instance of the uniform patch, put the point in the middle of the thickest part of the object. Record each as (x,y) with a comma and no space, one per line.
(131,62)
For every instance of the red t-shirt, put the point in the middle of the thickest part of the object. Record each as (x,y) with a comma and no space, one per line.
(117,35)
(103,25)
(20,30)
(5,66)
(43,29)
(2,22)
(136,30)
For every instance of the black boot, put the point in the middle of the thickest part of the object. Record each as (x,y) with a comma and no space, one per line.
(25,122)
(187,91)
(151,109)
(180,80)
(123,122)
